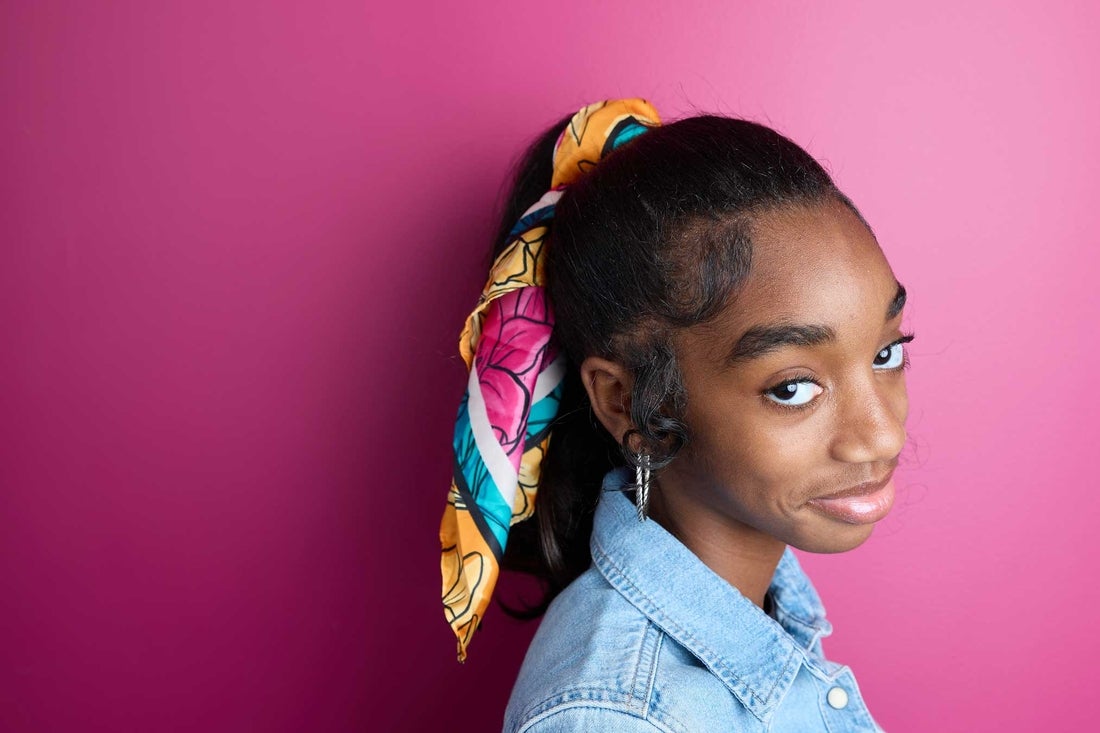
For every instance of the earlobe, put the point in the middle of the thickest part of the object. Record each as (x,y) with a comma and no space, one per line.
(609,384)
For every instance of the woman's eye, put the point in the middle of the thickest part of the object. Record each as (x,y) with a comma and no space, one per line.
(892,357)
(794,393)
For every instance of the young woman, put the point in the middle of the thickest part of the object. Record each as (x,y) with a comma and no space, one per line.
(687,360)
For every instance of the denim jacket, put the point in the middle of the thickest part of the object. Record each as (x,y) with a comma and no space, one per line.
(650,639)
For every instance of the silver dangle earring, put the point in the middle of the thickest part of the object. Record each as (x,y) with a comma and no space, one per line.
(641,483)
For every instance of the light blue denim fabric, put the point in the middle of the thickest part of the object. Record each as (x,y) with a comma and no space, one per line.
(650,639)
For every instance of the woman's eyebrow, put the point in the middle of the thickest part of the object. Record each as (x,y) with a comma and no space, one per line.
(896,304)
(761,340)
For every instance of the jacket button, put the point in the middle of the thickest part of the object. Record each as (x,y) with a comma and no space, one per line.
(837,698)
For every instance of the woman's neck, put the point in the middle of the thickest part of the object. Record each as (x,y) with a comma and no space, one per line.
(742,556)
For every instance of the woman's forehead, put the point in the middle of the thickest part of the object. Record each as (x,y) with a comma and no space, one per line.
(813,262)
(817,270)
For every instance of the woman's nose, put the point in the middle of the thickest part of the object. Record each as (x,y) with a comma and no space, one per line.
(871,422)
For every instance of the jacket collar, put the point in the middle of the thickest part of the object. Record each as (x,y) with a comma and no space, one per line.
(755,656)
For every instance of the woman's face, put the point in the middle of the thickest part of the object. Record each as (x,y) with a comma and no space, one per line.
(795,392)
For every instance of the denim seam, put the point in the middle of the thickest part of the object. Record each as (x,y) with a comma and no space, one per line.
(656,661)
(659,722)
(646,665)
(580,692)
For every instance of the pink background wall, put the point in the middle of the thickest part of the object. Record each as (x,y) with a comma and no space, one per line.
(238,240)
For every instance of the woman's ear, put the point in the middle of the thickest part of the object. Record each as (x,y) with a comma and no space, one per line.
(609,384)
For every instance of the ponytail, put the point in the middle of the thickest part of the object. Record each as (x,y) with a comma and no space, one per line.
(554,547)
(513,399)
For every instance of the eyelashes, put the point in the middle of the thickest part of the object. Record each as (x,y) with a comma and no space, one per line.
(798,393)
(895,355)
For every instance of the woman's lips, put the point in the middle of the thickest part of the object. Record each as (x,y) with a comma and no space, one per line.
(867,507)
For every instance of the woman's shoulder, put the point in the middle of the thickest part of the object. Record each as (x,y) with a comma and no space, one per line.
(598,663)
(582,651)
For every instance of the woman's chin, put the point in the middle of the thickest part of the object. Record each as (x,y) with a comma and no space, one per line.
(835,539)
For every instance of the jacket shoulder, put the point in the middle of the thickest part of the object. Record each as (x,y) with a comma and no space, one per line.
(598,663)
(592,645)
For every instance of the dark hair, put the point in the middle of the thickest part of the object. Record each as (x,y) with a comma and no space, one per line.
(656,237)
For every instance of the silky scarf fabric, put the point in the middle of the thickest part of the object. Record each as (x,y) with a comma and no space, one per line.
(515,384)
